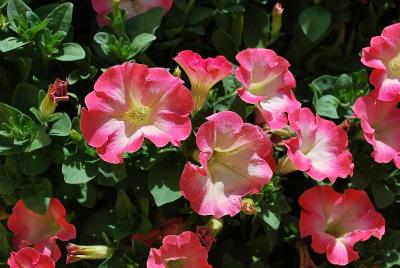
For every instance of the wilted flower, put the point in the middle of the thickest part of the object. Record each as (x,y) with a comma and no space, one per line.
(267,82)
(319,149)
(203,74)
(207,233)
(131,7)
(77,252)
(131,102)
(56,92)
(337,221)
(29,258)
(236,160)
(248,206)
(184,250)
(384,56)
(380,122)
(40,231)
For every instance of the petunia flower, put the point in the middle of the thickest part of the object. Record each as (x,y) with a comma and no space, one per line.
(268,83)
(184,251)
(380,122)
(384,56)
(319,149)
(40,231)
(337,221)
(236,160)
(203,74)
(29,258)
(131,7)
(131,102)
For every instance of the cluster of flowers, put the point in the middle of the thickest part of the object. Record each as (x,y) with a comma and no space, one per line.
(131,102)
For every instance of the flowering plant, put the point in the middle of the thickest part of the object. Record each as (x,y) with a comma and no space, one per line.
(184,134)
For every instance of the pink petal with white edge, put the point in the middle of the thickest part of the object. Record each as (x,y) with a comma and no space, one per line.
(320,148)
(384,56)
(236,160)
(380,122)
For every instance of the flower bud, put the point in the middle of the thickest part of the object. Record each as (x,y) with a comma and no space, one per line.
(56,92)
(177,72)
(248,207)
(98,252)
(276,20)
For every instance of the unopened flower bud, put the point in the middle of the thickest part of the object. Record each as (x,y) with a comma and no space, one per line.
(177,72)
(248,207)
(276,20)
(56,92)
(98,252)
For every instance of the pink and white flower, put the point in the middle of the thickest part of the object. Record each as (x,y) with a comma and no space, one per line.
(203,73)
(337,221)
(184,250)
(131,102)
(40,231)
(384,56)
(320,148)
(131,7)
(380,122)
(29,258)
(236,160)
(268,83)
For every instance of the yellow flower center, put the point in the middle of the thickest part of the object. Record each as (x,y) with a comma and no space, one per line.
(394,65)
(176,263)
(138,114)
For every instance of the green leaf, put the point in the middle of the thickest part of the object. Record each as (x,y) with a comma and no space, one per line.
(224,43)
(71,52)
(37,196)
(110,174)
(39,139)
(272,217)
(60,18)
(25,97)
(11,43)
(36,162)
(141,42)
(164,182)
(5,247)
(79,169)
(327,106)
(315,21)
(62,127)
(15,10)
(124,207)
(147,22)
(255,22)
(382,195)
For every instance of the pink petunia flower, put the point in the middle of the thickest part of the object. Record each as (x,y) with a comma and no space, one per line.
(203,74)
(319,149)
(236,160)
(184,250)
(29,258)
(337,221)
(384,56)
(131,102)
(267,82)
(41,231)
(380,122)
(132,7)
